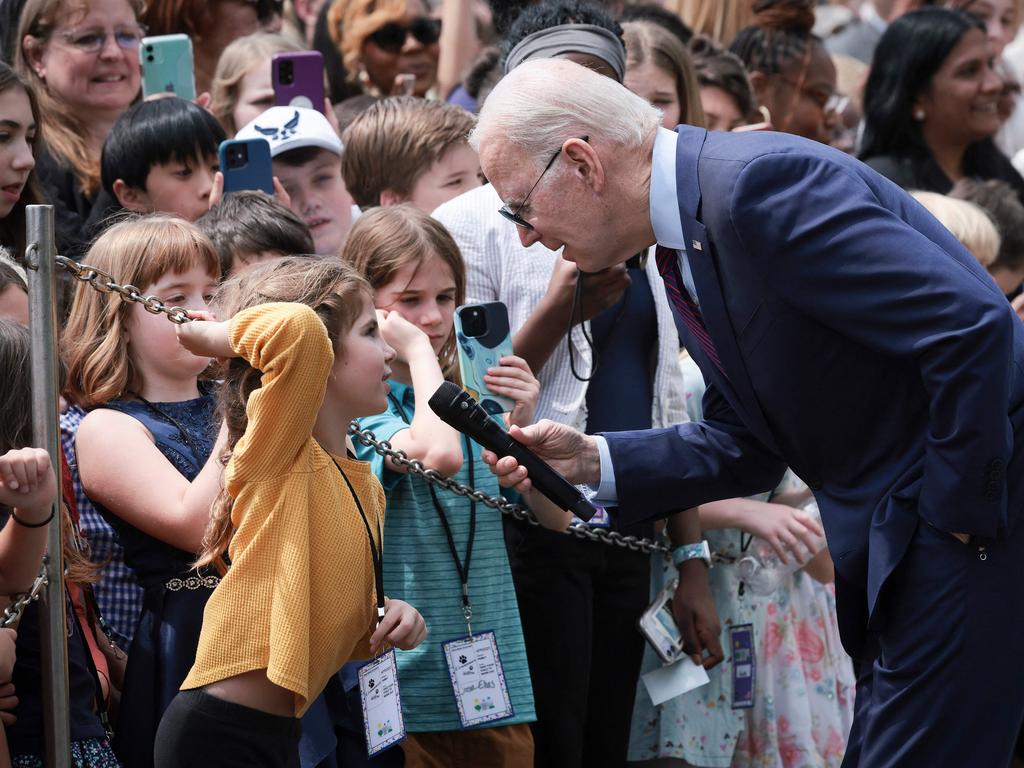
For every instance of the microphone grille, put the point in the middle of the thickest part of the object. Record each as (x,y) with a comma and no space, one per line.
(445,397)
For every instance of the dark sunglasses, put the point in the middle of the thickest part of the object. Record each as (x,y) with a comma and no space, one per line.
(514,216)
(391,37)
(267,9)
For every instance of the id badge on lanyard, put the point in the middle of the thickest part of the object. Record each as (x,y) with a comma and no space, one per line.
(744,665)
(379,691)
(478,679)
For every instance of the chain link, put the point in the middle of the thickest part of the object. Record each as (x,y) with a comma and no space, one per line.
(104,283)
(12,613)
(579,529)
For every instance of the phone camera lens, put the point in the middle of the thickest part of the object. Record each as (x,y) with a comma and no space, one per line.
(287,73)
(149,48)
(149,58)
(474,322)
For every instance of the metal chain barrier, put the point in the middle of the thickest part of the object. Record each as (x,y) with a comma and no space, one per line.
(12,613)
(579,529)
(105,283)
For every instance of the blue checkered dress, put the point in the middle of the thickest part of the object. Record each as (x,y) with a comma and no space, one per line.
(118,593)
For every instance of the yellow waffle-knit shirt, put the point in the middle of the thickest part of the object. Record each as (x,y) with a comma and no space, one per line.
(298,598)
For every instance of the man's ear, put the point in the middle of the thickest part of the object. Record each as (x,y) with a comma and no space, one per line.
(390,197)
(585,161)
(131,198)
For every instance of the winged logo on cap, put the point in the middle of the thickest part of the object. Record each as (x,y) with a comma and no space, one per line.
(286,131)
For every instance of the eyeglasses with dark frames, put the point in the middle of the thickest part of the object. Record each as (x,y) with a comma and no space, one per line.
(514,216)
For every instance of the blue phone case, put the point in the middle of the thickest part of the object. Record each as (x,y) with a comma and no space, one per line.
(478,353)
(166,62)
(246,164)
(298,79)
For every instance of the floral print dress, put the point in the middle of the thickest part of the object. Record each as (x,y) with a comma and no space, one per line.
(804,690)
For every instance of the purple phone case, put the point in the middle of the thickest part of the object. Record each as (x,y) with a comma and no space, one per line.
(305,87)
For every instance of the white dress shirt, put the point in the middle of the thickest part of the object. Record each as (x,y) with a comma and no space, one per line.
(668,230)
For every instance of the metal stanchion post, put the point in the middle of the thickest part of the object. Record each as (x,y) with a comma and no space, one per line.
(42,300)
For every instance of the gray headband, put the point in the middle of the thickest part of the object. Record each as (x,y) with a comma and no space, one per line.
(570,38)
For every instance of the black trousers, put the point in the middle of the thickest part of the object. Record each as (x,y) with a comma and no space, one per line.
(199,730)
(939,684)
(579,602)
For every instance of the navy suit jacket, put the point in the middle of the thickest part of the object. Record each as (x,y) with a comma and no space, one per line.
(863,346)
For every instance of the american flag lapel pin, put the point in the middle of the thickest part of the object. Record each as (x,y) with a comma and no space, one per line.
(696,244)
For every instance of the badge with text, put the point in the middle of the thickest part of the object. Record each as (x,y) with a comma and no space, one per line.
(741,649)
(382,703)
(478,679)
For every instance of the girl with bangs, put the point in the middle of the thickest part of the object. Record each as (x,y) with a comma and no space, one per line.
(146,448)
(441,546)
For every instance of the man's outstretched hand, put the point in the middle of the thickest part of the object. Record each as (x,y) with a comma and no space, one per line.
(572,454)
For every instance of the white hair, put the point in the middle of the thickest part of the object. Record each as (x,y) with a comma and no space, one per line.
(542,103)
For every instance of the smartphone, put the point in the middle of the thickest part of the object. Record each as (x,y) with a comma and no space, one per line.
(483,337)
(658,625)
(298,79)
(246,164)
(166,62)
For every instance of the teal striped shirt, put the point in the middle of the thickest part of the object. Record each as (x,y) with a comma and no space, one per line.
(419,569)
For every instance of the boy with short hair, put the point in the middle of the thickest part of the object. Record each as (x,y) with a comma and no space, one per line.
(160,156)
(248,227)
(408,150)
(306,152)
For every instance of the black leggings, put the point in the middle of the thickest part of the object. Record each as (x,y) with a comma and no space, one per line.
(199,730)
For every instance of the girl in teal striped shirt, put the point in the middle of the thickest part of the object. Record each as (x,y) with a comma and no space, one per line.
(435,540)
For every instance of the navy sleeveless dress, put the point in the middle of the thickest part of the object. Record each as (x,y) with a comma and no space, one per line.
(164,646)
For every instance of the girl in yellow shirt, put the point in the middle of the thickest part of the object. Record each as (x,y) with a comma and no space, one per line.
(299,518)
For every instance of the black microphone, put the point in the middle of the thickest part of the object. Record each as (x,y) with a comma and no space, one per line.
(458,409)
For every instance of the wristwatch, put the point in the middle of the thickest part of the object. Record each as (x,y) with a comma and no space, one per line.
(701,551)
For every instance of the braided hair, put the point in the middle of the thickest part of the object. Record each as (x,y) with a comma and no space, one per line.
(781,34)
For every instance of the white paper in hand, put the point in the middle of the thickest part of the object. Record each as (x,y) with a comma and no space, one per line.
(674,679)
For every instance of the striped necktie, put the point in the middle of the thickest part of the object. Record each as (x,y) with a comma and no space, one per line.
(668,266)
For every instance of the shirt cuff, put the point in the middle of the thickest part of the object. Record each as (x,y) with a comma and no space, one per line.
(605,493)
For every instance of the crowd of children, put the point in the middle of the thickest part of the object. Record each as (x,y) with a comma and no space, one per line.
(236,566)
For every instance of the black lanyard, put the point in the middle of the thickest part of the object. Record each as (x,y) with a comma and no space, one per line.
(461,566)
(376,551)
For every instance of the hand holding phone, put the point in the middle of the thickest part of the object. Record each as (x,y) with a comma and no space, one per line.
(483,337)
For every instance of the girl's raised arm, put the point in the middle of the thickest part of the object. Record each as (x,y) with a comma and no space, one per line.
(289,344)
(28,485)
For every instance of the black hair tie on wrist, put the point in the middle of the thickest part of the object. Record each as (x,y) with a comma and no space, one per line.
(23,524)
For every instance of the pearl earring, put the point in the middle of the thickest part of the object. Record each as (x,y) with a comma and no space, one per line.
(919,114)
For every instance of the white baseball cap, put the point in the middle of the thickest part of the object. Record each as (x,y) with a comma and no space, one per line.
(287,128)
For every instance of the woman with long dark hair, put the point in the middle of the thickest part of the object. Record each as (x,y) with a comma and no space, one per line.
(19,123)
(931,104)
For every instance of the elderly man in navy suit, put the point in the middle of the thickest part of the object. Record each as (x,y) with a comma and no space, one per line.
(843,332)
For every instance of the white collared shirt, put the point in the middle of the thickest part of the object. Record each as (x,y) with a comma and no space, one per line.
(668,230)
(664,199)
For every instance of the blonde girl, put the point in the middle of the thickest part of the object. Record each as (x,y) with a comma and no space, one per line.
(418,278)
(299,518)
(145,449)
